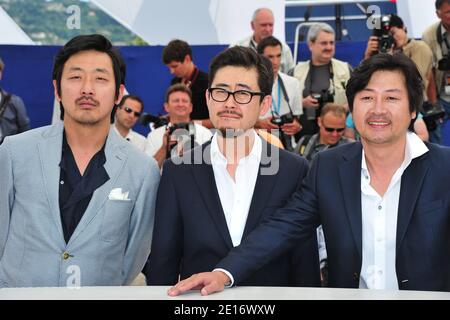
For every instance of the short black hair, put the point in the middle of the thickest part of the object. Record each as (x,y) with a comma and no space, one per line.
(95,42)
(396,21)
(438,4)
(131,97)
(248,58)
(176,50)
(387,62)
(270,41)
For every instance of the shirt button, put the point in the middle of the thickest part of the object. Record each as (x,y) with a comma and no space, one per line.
(66,255)
(379,239)
(61,182)
(380,272)
(380,207)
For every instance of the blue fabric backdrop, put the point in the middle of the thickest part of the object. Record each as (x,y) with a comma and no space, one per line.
(28,74)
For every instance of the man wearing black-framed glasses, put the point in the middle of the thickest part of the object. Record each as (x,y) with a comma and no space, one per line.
(128,112)
(207,207)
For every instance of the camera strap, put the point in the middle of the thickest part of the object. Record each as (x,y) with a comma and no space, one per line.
(442,40)
(285,95)
(5,99)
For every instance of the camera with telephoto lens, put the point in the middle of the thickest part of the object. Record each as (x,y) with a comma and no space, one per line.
(158,121)
(185,126)
(432,113)
(385,39)
(281,120)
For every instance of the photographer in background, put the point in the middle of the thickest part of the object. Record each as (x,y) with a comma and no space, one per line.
(392,37)
(323,79)
(437,37)
(13,114)
(180,133)
(177,56)
(286,101)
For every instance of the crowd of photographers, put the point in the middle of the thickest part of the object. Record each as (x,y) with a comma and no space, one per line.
(299,92)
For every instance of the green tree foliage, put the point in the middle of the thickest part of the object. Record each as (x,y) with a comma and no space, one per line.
(45,21)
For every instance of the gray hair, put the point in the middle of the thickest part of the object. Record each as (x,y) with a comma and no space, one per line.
(258,11)
(318,27)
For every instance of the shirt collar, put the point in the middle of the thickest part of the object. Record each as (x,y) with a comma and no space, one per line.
(414,148)
(255,153)
(117,131)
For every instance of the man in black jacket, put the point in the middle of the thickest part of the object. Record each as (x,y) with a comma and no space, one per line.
(13,115)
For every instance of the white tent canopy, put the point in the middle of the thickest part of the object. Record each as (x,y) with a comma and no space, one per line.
(11,33)
(197,22)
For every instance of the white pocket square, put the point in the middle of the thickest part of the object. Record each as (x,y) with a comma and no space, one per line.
(117,194)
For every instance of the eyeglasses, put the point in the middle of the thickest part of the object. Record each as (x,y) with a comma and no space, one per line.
(240,96)
(338,130)
(129,110)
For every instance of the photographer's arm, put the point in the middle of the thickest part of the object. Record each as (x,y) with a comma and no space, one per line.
(291,128)
(372,47)
(161,154)
(431,89)
(265,124)
(310,102)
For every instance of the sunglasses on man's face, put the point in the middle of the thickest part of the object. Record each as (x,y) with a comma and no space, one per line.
(338,130)
(129,110)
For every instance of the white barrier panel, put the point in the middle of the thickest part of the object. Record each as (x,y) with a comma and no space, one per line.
(238,293)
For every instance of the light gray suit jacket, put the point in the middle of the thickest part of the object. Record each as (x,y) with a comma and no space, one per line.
(112,241)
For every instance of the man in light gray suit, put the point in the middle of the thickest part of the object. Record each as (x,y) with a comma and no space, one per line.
(77,200)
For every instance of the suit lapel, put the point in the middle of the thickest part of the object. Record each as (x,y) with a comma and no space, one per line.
(115,159)
(350,178)
(263,188)
(204,177)
(50,149)
(412,181)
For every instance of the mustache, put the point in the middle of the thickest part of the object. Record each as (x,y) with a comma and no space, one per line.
(86,99)
(229,112)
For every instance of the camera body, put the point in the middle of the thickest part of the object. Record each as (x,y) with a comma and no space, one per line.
(385,39)
(432,113)
(444,63)
(185,126)
(158,121)
(322,98)
(281,120)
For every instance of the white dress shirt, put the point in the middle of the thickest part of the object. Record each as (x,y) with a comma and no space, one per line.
(136,139)
(236,195)
(379,222)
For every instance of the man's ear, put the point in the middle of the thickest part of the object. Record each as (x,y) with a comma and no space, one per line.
(55,88)
(166,107)
(187,59)
(265,105)
(119,97)
(319,122)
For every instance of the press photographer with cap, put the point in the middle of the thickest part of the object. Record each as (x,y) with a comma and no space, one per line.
(180,131)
